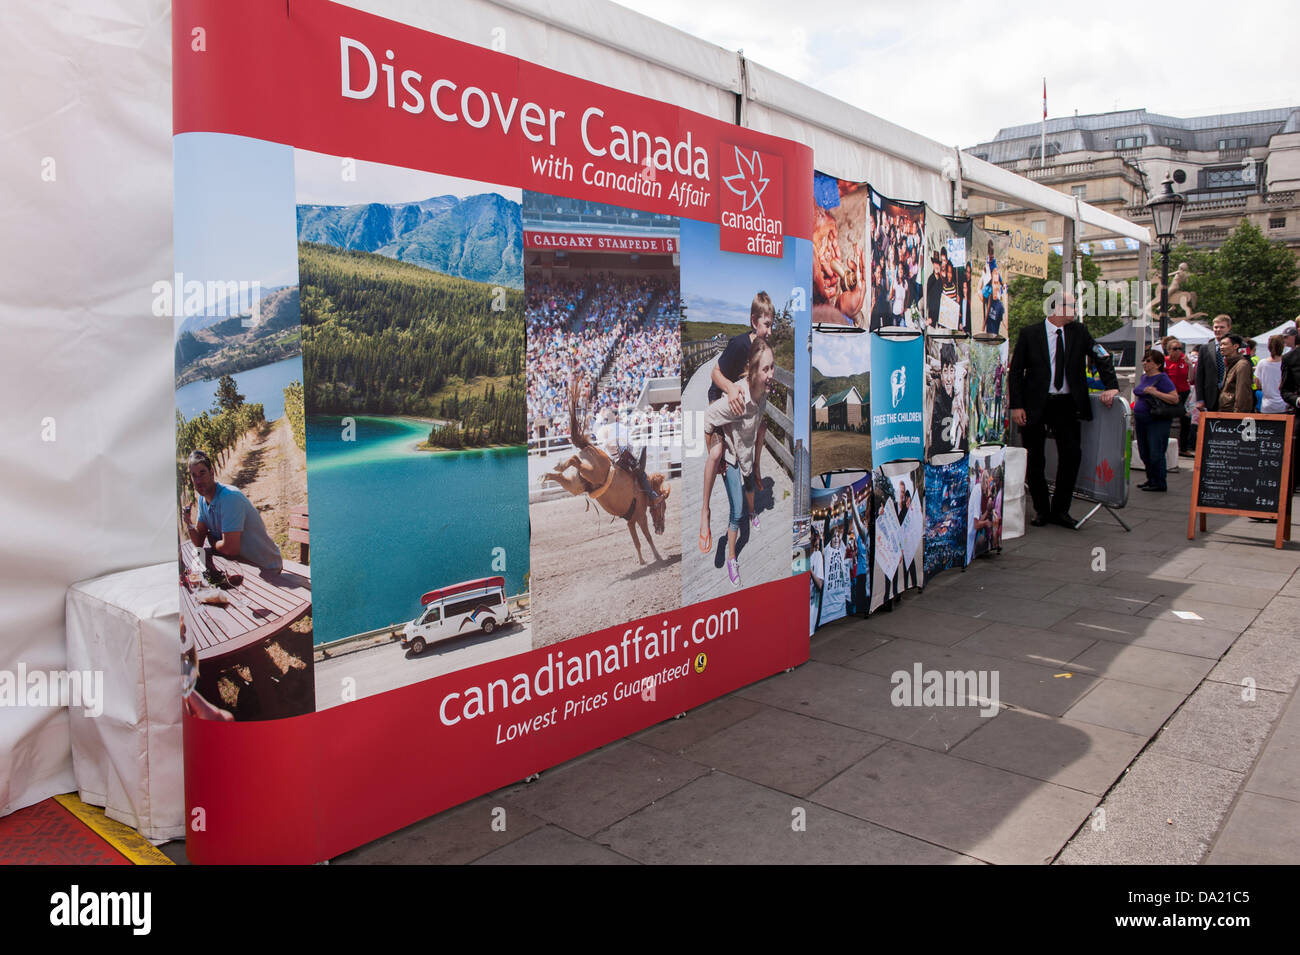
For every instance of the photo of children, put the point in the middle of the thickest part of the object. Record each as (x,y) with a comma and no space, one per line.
(947,282)
(842,574)
(987,393)
(947,367)
(841,401)
(739,452)
(991,287)
(897,263)
(899,531)
(946,494)
(839,251)
(984,520)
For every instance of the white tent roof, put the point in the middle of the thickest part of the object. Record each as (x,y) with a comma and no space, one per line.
(1191,332)
(1262,339)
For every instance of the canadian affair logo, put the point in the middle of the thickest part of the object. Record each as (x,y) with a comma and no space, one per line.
(751,201)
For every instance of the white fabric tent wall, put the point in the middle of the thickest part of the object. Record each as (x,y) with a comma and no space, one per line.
(87,363)
(87,102)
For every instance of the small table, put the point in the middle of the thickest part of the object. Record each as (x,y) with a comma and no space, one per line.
(264,604)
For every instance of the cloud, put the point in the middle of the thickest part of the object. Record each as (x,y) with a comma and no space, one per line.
(840,354)
(959,71)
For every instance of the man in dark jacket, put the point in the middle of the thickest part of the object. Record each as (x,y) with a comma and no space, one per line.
(1290,388)
(1049,390)
(1210,369)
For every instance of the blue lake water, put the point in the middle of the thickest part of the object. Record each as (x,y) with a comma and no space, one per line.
(389,523)
(264,384)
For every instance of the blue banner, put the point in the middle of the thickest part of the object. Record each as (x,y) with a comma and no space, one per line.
(897,399)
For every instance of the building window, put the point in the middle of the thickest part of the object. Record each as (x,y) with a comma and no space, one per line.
(1240,142)
(1039,226)
(1172,141)
(1078,191)
(1223,178)
(1053,149)
(999,206)
(1277,222)
(1131,142)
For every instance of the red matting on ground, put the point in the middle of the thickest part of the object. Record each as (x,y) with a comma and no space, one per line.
(47,834)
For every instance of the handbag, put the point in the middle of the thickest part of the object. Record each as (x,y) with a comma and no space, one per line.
(1162,409)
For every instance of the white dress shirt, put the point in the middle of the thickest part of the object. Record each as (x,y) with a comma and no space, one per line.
(1051,360)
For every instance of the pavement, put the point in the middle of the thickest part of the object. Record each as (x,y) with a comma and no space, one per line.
(1147,715)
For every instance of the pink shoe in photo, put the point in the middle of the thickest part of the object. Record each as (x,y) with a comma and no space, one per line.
(754,522)
(733,571)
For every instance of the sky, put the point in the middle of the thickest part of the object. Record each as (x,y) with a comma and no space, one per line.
(217,239)
(321,180)
(959,71)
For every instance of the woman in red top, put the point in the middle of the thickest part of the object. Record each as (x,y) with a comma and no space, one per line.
(1179,373)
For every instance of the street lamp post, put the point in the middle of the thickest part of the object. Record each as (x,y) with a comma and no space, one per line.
(1166,209)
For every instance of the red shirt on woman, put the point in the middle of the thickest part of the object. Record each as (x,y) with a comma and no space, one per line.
(1177,370)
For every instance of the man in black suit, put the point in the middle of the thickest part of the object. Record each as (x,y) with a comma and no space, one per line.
(1049,390)
(1210,368)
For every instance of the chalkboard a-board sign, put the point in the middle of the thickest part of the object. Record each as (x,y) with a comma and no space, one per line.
(1243,466)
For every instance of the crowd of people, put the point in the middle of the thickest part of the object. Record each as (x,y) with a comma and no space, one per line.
(895,265)
(583,329)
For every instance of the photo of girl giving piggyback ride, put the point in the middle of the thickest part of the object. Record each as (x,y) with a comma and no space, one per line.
(741,437)
(728,374)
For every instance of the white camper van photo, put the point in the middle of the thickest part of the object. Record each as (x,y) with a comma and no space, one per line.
(461,608)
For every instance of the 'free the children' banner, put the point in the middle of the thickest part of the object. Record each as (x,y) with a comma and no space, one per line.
(446,291)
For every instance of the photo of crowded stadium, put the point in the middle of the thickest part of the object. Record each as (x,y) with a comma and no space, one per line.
(603,315)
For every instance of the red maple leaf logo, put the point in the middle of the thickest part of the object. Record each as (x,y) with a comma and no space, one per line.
(1104,473)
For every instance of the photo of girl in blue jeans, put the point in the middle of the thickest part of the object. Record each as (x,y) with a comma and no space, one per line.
(740,437)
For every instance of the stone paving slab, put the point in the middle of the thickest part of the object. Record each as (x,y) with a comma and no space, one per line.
(598,789)
(1217,726)
(841,642)
(1162,669)
(675,735)
(997,608)
(454,837)
(1220,616)
(721,820)
(861,701)
(1023,685)
(1271,660)
(1127,707)
(988,813)
(551,845)
(919,623)
(1262,830)
(1277,771)
(1077,755)
(1110,599)
(1179,636)
(784,751)
(1165,810)
(1028,644)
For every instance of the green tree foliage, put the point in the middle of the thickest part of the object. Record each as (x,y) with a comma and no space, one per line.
(1248,277)
(1028,294)
(215,433)
(228,396)
(384,337)
(295,412)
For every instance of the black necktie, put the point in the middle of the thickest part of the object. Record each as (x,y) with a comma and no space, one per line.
(1218,364)
(1059,380)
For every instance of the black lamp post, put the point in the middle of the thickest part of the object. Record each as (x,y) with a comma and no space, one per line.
(1166,209)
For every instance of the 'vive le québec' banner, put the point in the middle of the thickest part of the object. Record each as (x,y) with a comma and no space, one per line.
(428,296)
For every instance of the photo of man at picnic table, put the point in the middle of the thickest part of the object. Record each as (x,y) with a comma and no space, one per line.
(246,605)
(228,520)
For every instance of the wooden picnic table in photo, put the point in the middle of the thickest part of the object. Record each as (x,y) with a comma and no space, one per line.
(265,603)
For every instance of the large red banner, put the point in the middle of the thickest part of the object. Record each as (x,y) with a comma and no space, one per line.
(329,79)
